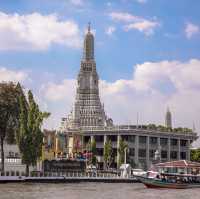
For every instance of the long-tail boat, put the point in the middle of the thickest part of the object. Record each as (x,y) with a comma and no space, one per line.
(181,174)
(172,181)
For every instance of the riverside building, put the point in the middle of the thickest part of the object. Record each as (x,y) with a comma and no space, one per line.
(88,119)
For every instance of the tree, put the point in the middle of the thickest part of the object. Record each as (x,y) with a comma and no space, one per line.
(91,148)
(30,136)
(195,155)
(108,153)
(94,151)
(151,126)
(121,151)
(8,115)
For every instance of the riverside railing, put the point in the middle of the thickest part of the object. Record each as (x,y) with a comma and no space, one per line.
(63,174)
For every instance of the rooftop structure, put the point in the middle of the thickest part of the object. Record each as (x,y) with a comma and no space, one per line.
(179,164)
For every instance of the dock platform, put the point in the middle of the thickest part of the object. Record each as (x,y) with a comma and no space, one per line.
(64,179)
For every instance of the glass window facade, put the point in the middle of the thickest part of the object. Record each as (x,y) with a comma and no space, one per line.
(131,138)
(183,155)
(131,151)
(174,142)
(153,140)
(142,139)
(163,141)
(163,154)
(183,142)
(173,154)
(152,153)
(142,153)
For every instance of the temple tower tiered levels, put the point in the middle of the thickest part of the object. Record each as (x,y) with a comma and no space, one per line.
(87,110)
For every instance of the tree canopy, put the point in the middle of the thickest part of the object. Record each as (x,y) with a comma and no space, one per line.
(195,155)
(121,151)
(30,136)
(9,114)
(108,153)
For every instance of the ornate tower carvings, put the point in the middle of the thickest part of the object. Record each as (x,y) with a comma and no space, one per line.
(87,110)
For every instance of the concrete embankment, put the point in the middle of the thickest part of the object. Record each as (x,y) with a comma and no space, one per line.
(62,179)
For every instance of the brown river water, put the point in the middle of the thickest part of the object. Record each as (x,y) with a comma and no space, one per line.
(92,191)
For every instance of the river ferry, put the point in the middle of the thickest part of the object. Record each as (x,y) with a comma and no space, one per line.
(172,181)
(180,174)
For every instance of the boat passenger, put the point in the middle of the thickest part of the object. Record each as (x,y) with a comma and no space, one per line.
(163,179)
(158,176)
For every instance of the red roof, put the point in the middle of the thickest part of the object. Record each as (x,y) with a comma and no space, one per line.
(180,164)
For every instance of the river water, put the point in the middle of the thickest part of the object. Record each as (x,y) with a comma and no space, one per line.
(92,191)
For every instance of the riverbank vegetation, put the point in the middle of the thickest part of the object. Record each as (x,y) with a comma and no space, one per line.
(20,122)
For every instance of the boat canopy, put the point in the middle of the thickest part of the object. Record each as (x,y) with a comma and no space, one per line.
(179,164)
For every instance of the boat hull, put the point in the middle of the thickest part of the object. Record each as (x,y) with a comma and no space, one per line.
(153,183)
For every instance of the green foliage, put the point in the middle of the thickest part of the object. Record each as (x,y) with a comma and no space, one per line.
(195,155)
(108,153)
(167,129)
(121,150)
(88,146)
(30,136)
(151,126)
(91,147)
(94,151)
(21,121)
(181,129)
(8,115)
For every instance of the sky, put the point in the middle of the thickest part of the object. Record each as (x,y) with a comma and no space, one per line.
(147,54)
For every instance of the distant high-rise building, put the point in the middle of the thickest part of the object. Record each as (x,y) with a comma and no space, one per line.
(168,119)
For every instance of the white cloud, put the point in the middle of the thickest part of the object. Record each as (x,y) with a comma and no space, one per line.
(59,92)
(7,75)
(154,86)
(144,26)
(141,1)
(36,32)
(110,30)
(57,98)
(123,17)
(191,30)
(182,75)
(77,2)
(135,22)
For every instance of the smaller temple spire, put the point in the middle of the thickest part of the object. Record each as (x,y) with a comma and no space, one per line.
(168,118)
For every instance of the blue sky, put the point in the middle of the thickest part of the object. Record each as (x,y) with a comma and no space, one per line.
(125,49)
(147,54)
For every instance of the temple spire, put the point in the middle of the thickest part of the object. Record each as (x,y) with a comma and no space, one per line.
(89,24)
(168,118)
(88,51)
